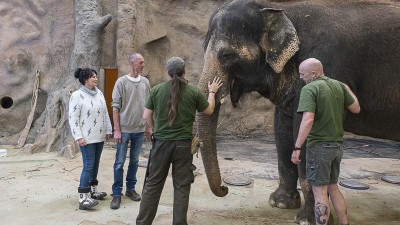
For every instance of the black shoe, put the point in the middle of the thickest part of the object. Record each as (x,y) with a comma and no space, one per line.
(133,195)
(116,202)
(99,195)
(96,194)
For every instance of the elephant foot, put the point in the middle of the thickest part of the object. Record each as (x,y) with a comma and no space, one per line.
(285,199)
(305,216)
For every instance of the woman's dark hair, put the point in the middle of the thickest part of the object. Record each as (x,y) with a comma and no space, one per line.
(176,68)
(84,74)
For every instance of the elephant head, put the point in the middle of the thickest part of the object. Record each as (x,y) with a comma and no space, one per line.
(248,46)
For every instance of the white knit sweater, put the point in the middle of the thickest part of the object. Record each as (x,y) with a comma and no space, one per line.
(88,116)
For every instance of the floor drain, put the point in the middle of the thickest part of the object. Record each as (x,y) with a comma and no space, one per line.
(237,181)
(352,184)
(391,179)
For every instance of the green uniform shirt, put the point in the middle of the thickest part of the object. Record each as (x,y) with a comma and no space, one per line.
(191,100)
(327,99)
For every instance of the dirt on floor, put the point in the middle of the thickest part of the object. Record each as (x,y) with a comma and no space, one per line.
(42,188)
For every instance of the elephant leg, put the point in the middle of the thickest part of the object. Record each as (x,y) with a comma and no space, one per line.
(306,214)
(286,195)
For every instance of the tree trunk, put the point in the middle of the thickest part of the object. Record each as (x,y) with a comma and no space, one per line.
(55,134)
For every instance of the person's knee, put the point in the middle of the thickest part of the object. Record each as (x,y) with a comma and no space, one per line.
(120,159)
(320,190)
(135,153)
(118,165)
(183,181)
(332,188)
(134,162)
(88,166)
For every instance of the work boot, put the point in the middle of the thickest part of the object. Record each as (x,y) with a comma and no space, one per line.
(96,194)
(133,195)
(85,200)
(116,202)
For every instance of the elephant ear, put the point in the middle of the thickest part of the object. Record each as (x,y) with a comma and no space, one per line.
(279,41)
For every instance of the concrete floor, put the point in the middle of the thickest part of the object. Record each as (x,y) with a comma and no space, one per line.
(41,189)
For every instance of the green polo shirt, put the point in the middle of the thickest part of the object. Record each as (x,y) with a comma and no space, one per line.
(191,100)
(327,99)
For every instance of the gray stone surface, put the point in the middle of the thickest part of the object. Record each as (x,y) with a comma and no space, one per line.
(43,39)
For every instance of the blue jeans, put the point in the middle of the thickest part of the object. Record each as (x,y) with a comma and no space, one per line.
(136,140)
(91,159)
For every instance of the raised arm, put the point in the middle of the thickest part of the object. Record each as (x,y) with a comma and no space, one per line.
(212,90)
(355,107)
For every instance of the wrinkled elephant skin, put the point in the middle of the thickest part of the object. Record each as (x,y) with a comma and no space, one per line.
(258,47)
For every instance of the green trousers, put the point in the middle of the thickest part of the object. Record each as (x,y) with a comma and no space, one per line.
(163,154)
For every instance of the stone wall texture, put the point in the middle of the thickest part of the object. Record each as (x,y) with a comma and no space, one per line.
(39,35)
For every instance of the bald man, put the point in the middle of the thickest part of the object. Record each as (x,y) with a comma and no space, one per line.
(322,103)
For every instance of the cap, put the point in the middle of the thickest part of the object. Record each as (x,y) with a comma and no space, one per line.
(175,65)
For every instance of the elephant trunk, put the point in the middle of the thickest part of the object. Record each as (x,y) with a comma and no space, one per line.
(207,124)
(207,129)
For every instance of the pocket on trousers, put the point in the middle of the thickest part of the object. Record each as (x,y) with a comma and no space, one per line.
(186,175)
(311,154)
(311,172)
(331,145)
(185,150)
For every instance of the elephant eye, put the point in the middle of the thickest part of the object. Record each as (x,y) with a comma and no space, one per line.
(227,56)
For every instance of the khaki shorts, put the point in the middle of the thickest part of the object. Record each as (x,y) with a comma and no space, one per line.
(323,163)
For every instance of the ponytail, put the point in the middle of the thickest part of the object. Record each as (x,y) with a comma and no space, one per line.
(177,84)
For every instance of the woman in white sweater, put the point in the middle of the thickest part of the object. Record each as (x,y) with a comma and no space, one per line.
(90,126)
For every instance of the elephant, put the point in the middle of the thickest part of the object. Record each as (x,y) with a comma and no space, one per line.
(257,46)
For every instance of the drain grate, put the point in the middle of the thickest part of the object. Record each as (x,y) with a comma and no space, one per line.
(352,184)
(391,179)
(237,181)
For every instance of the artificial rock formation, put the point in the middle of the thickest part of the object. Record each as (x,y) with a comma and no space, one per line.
(38,36)
(56,132)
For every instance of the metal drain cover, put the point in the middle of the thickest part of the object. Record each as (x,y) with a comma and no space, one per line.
(391,179)
(237,181)
(352,184)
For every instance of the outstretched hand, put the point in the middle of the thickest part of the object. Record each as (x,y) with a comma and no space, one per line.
(355,107)
(215,84)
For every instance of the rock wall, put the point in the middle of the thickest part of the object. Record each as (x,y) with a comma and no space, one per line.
(35,35)
(39,35)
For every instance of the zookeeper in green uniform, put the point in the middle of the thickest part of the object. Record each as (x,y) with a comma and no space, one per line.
(323,102)
(170,111)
